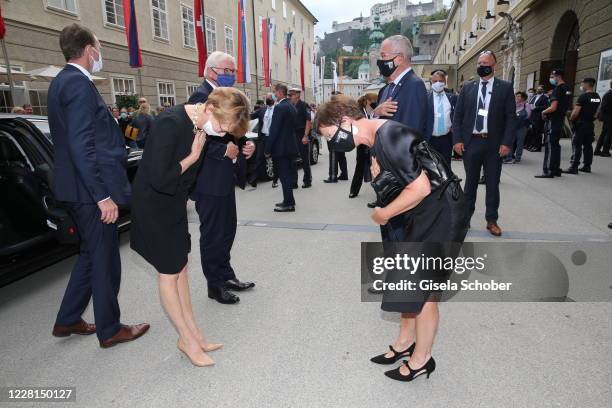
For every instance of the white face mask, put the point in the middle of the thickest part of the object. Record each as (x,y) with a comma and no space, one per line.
(210,130)
(97,65)
(438,86)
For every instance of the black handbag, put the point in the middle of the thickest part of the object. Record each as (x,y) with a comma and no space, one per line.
(438,170)
(387,187)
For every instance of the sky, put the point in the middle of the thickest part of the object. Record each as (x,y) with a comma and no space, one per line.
(328,11)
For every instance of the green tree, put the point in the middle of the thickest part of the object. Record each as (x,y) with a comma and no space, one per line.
(393,27)
(439,15)
(125,101)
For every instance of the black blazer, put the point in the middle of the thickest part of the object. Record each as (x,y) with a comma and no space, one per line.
(259,115)
(217,174)
(452,98)
(281,140)
(605,109)
(501,119)
(411,97)
(90,153)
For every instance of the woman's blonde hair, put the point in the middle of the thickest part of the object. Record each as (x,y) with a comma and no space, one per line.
(231,106)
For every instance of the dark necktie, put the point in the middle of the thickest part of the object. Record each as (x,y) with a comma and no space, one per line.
(388,93)
(481,105)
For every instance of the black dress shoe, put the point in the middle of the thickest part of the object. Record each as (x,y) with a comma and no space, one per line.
(606,155)
(585,169)
(330,180)
(294,186)
(285,208)
(274,184)
(596,153)
(372,204)
(557,173)
(281,204)
(427,368)
(222,295)
(544,175)
(253,184)
(381,359)
(570,170)
(306,185)
(352,195)
(610,225)
(235,284)
(343,177)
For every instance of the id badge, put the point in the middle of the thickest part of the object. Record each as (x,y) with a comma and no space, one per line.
(483,113)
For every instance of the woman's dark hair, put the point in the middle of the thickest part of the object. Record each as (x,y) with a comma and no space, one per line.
(73,40)
(331,113)
(366,99)
(523,95)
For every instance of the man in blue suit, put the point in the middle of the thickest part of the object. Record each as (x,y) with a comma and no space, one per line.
(282,146)
(90,180)
(224,166)
(484,129)
(404,98)
(441,110)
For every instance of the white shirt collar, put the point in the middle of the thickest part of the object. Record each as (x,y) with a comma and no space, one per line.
(397,80)
(212,84)
(83,70)
(489,82)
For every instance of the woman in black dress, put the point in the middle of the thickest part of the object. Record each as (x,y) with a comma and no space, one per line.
(424,212)
(159,230)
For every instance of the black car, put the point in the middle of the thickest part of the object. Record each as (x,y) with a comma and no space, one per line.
(35,231)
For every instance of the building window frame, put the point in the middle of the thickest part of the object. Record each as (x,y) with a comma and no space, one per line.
(125,79)
(191,87)
(120,22)
(162,16)
(188,26)
(63,9)
(273,5)
(228,50)
(165,96)
(211,41)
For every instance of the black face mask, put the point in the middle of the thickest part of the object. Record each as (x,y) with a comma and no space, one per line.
(386,67)
(342,141)
(269,102)
(484,71)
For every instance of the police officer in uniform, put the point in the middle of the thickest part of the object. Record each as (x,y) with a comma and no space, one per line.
(303,125)
(560,101)
(582,118)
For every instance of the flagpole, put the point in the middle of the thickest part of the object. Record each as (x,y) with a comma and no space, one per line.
(9,73)
(255,51)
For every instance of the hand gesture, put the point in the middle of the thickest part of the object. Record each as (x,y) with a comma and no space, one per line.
(109,212)
(504,150)
(459,148)
(248,149)
(232,151)
(387,108)
(198,144)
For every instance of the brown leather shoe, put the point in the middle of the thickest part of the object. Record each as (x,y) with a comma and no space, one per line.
(125,334)
(494,228)
(82,327)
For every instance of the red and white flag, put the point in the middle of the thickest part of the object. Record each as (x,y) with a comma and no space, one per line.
(198,7)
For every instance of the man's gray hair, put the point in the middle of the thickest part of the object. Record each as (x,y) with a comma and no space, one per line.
(216,58)
(401,44)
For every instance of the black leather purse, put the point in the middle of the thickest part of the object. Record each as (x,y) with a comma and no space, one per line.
(387,187)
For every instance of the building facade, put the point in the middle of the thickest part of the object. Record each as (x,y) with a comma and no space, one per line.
(529,37)
(167,39)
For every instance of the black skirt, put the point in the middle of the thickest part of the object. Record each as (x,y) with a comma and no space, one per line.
(432,225)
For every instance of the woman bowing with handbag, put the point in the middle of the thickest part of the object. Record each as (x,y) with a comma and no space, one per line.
(419,200)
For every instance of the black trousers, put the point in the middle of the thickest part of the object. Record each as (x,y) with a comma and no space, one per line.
(335,159)
(605,139)
(552,148)
(218,222)
(304,150)
(362,170)
(443,145)
(537,128)
(582,143)
(478,154)
(96,274)
(285,166)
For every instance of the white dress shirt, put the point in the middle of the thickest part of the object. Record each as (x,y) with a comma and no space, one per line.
(486,103)
(438,114)
(83,70)
(397,80)
(267,120)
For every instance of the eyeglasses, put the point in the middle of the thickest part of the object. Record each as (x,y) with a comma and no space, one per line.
(226,71)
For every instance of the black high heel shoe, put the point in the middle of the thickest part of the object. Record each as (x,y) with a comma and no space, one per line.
(381,359)
(427,368)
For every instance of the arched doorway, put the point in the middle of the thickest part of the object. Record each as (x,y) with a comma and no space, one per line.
(564,49)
